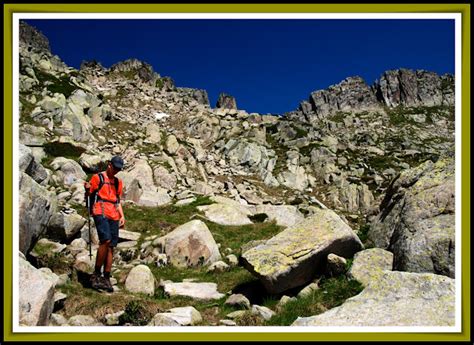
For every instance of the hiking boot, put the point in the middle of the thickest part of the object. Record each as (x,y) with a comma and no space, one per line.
(95,281)
(106,284)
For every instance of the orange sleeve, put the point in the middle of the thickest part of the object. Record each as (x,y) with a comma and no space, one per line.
(94,182)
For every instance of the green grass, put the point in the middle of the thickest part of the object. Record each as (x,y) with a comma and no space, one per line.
(332,293)
(306,150)
(161,220)
(338,117)
(57,262)
(363,234)
(26,110)
(54,84)
(300,132)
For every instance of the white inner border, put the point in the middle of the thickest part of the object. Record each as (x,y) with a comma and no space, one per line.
(244,329)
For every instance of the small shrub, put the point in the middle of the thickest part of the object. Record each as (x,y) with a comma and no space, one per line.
(364,237)
(67,150)
(135,314)
(259,217)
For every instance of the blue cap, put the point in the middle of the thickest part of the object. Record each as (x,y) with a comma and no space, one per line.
(117,162)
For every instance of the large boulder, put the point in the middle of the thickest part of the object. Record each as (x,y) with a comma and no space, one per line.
(190,244)
(36,295)
(394,299)
(294,256)
(36,206)
(417,221)
(63,226)
(67,171)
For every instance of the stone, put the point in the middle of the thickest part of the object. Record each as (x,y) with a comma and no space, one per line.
(370,264)
(140,279)
(394,299)
(199,291)
(292,257)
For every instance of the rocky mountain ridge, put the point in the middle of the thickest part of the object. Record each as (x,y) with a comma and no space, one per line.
(345,161)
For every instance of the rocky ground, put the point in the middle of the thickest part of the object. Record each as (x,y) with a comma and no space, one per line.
(236,218)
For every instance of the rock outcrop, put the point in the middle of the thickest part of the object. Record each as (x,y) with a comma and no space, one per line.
(226,101)
(414,88)
(416,219)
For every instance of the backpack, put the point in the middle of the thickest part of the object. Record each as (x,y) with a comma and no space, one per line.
(91,198)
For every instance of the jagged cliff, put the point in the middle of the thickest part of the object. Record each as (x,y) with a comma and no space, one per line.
(325,173)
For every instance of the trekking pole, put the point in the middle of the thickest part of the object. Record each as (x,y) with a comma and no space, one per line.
(89,220)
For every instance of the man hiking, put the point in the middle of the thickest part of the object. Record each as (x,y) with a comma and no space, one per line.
(104,191)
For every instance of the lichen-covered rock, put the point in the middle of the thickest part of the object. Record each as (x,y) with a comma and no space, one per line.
(369,264)
(292,257)
(394,299)
(417,221)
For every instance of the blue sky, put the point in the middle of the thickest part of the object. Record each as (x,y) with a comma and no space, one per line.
(269,66)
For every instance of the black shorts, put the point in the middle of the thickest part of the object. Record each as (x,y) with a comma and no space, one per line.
(107,229)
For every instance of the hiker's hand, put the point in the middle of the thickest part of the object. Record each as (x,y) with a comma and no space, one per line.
(87,185)
(122,222)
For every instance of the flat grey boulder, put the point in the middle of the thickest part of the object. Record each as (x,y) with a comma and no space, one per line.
(292,257)
(225,214)
(151,198)
(200,291)
(395,299)
(284,215)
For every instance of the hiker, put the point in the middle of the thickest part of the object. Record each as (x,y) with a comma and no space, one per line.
(105,190)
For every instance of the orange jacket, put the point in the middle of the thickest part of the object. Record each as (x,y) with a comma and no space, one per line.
(107,196)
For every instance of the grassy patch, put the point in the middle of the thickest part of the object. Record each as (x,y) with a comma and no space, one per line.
(332,293)
(300,132)
(67,150)
(363,234)
(338,117)
(26,110)
(306,150)
(45,257)
(54,84)
(161,220)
